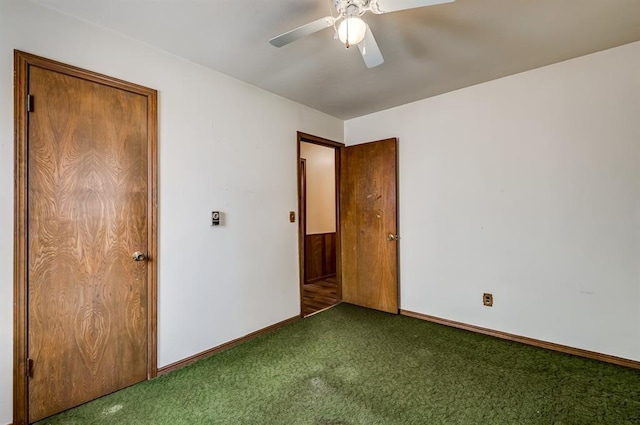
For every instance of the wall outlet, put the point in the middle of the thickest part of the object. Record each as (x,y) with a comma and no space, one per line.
(487,299)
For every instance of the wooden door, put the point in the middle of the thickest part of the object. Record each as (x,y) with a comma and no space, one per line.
(87,213)
(368,207)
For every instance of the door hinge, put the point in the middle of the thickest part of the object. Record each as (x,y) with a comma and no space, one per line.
(29,368)
(29,103)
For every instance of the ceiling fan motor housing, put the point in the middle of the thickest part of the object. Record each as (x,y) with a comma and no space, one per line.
(352,7)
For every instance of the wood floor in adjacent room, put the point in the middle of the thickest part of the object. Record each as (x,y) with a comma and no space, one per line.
(319,295)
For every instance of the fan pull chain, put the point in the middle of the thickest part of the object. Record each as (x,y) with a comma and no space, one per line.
(346,43)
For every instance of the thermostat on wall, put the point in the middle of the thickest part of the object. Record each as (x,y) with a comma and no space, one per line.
(215,218)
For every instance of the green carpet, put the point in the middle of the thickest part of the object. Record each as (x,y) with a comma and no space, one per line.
(350,365)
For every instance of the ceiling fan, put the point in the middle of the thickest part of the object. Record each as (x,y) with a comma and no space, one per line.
(350,28)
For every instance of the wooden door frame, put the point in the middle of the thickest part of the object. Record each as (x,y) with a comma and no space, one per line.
(302,217)
(22,62)
(336,146)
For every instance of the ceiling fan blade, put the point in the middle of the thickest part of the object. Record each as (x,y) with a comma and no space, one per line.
(303,31)
(370,51)
(384,6)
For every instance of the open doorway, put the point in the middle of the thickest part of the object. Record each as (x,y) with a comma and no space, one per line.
(319,241)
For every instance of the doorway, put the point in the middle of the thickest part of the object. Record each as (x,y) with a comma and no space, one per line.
(363,238)
(86,239)
(320,286)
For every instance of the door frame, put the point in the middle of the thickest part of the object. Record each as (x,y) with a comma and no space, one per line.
(22,62)
(302,215)
(336,146)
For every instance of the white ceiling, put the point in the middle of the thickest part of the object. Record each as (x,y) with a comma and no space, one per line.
(427,51)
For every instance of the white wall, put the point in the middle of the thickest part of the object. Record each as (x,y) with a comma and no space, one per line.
(321,188)
(527,187)
(224,145)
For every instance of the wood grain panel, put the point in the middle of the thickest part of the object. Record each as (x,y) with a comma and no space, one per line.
(330,254)
(320,256)
(314,257)
(91,321)
(87,212)
(369,214)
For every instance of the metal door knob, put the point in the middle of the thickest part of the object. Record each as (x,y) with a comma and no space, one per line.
(138,256)
(393,237)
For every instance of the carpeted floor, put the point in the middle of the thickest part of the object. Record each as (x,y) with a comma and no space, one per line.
(350,365)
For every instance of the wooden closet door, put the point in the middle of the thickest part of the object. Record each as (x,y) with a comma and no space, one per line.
(87,213)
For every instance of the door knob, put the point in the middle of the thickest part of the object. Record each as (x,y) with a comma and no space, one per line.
(138,256)
(393,237)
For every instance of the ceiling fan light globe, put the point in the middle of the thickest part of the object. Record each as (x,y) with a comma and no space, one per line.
(354,27)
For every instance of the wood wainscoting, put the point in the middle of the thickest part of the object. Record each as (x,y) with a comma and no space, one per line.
(320,257)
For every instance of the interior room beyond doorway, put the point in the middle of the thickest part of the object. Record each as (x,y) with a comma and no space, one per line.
(320,287)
